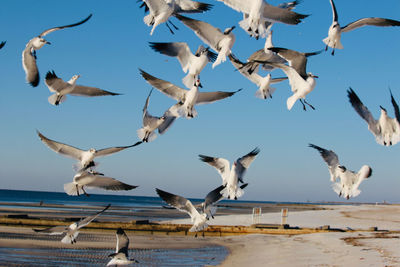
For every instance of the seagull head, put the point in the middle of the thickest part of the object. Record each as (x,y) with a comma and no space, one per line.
(342,168)
(312,75)
(39,42)
(228,30)
(92,150)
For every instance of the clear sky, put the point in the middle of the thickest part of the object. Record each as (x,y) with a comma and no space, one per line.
(107,52)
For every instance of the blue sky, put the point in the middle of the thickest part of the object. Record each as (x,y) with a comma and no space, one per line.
(107,52)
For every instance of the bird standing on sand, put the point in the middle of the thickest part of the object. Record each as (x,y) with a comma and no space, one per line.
(29,53)
(349,181)
(335,31)
(121,257)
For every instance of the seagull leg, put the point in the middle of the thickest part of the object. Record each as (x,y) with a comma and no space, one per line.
(333,51)
(326,48)
(77,190)
(85,192)
(169,28)
(304,106)
(195,236)
(309,104)
(173,25)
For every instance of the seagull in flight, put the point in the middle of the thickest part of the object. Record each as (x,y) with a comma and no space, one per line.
(121,257)
(61,89)
(264,90)
(221,42)
(193,64)
(94,180)
(161,10)
(301,82)
(335,31)
(29,53)
(187,99)
(349,181)
(386,130)
(258,14)
(85,157)
(72,231)
(231,176)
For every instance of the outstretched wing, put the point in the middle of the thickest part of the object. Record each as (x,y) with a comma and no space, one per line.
(85,221)
(80,90)
(178,202)
(54,83)
(122,242)
(61,148)
(330,158)
(220,164)
(179,50)
(371,22)
(111,150)
(209,97)
(109,183)
(243,163)
(396,107)
(65,26)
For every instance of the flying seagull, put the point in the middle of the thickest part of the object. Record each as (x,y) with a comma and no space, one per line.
(264,90)
(61,89)
(335,31)
(2,44)
(231,176)
(85,157)
(258,13)
(162,10)
(94,180)
(301,82)
(151,123)
(221,42)
(349,181)
(193,64)
(29,53)
(121,257)
(386,130)
(187,98)
(71,231)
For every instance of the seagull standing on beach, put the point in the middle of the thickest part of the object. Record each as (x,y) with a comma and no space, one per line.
(121,257)
(193,64)
(161,10)
(94,180)
(231,177)
(29,53)
(221,42)
(85,157)
(301,82)
(187,99)
(349,181)
(335,31)
(386,130)
(72,231)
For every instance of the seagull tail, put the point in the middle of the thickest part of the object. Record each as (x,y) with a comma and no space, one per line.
(188,80)
(337,188)
(53,99)
(72,190)
(264,95)
(290,101)
(231,193)
(333,44)
(141,133)
(70,239)
(148,19)
(151,137)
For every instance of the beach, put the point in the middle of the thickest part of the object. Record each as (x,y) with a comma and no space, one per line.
(365,235)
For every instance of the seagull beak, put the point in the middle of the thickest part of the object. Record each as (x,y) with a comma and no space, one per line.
(382,108)
(200,85)
(315,76)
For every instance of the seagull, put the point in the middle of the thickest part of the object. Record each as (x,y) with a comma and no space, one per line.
(349,181)
(120,257)
(95,180)
(162,10)
(2,44)
(151,123)
(231,177)
(301,82)
(221,42)
(386,130)
(335,31)
(187,98)
(264,91)
(72,231)
(193,64)
(29,53)
(256,14)
(61,88)
(85,157)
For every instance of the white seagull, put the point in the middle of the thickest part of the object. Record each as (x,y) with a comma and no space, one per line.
(72,231)
(264,90)
(231,176)
(258,13)
(121,257)
(221,42)
(187,98)
(161,10)
(151,123)
(301,82)
(349,181)
(85,157)
(94,179)
(335,31)
(193,64)
(61,89)
(386,130)
(29,53)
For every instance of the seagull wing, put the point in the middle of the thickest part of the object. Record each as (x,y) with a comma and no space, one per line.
(165,87)
(222,165)
(111,150)
(178,202)
(213,197)
(240,5)
(206,32)
(396,108)
(85,221)
(80,90)
(188,6)
(330,158)
(109,183)
(209,97)
(122,242)
(63,27)
(370,21)
(180,50)
(61,148)
(297,60)
(54,83)
(334,12)
(277,14)
(30,67)
(55,230)
(2,44)
(243,163)
(155,6)
(295,80)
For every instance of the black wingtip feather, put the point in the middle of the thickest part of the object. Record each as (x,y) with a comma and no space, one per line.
(51,75)
(205,158)
(203,7)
